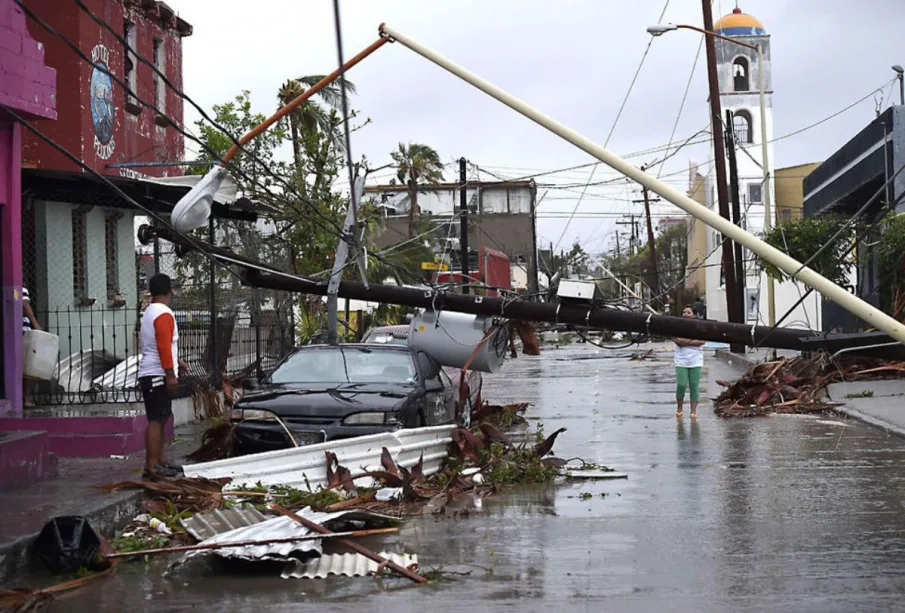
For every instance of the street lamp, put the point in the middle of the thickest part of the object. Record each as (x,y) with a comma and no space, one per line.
(658,30)
(901,76)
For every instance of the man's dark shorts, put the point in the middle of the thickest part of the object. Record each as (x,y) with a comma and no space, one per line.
(158,403)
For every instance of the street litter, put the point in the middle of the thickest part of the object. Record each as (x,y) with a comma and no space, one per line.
(797,385)
(589,470)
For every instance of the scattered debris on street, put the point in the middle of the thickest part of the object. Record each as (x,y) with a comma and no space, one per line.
(310,505)
(797,385)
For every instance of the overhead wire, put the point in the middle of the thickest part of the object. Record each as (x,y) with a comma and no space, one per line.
(293,190)
(119,192)
(337,230)
(616,121)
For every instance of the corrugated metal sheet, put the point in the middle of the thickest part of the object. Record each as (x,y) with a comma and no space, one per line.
(208,525)
(303,466)
(247,524)
(345,564)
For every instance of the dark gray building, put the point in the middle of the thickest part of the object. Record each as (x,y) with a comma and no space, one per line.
(844,183)
(501,217)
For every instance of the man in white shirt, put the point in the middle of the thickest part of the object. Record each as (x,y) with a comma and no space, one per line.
(157,377)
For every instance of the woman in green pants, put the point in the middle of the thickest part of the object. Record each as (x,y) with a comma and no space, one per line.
(689,360)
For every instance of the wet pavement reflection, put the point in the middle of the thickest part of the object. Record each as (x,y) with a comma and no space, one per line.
(780,513)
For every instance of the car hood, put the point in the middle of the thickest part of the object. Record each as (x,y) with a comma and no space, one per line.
(327,401)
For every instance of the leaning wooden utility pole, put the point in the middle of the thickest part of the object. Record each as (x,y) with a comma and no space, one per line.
(733,308)
(737,219)
(651,248)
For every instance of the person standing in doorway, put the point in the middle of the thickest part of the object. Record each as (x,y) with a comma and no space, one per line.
(689,361)
(29,322)
(157,375)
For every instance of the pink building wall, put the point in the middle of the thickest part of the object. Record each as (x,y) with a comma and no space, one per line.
(28,88)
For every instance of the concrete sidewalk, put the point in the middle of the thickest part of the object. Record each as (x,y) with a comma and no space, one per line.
(24,511)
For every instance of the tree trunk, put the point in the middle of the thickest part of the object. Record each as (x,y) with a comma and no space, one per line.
(296,146)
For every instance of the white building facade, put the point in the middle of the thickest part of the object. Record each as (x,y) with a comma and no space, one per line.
(739,73)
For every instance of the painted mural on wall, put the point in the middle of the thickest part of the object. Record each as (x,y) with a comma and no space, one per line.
(101,103)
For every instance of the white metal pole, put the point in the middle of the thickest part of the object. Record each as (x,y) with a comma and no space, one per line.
(871,315)
(768,195)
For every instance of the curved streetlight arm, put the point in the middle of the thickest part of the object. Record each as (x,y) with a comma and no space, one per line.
(194,209)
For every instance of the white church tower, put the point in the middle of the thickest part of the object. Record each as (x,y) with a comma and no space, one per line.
(739,72)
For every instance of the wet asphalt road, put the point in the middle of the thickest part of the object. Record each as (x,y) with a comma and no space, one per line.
(776,514)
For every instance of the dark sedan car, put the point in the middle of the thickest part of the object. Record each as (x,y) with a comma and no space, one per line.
(324,393)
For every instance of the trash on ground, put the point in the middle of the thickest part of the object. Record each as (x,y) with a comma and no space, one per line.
(346,565)
(590,470)
(797,385)
(67,544)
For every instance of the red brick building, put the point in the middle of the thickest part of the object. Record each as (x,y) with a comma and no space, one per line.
(98,120)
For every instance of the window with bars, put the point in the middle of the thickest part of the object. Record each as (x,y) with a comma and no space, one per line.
(740,74)
(79,254)
(741,125)
(111,244)
(160,96)
(130,68)
(755,193)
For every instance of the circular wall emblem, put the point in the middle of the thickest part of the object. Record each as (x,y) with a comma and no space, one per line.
(101,103)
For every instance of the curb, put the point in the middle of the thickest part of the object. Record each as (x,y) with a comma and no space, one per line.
(105,518)
(870,420)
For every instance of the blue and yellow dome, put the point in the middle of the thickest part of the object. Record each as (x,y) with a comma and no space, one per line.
(738,23)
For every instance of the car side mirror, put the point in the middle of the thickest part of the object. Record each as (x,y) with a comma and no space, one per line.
(250,383)
(433,385)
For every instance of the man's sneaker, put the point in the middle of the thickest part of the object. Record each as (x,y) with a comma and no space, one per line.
(147,475)
(173,467)
(166,471)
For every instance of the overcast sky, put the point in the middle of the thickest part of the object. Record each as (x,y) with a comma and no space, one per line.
(574,62)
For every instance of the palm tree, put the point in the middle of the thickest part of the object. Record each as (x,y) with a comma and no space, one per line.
(310,116)
(416,164)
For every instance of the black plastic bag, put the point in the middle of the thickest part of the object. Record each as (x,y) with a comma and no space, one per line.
(66,544)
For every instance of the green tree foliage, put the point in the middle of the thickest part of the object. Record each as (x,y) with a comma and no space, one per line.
(416,164)
(804,237)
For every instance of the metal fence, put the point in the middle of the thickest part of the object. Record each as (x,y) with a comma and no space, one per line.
(99,352)
(87,279)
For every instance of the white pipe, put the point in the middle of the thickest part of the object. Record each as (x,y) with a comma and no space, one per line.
(871,315)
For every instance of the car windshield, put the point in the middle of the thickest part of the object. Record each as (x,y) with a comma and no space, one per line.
(346,365)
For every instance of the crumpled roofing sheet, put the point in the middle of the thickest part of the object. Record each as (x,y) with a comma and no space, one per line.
(248,524)
(343,564)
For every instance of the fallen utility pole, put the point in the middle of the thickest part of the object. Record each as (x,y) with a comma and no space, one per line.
(256,274)
(873,316)
(593,317)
